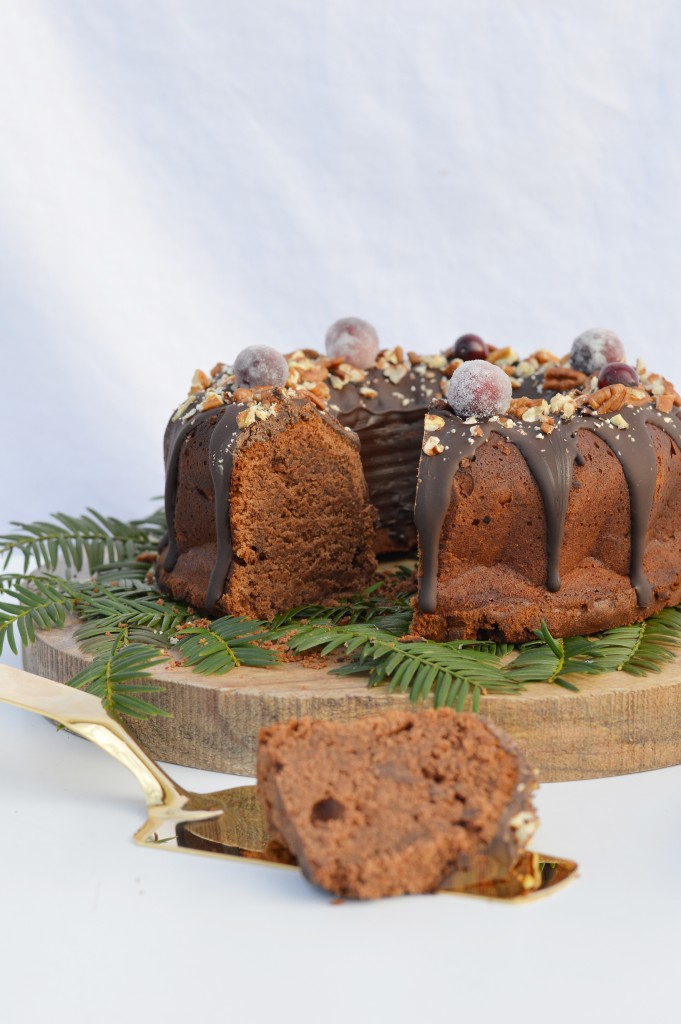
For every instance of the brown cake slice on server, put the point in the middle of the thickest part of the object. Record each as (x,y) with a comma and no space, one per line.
(402,802)
(562,503)
(266,503)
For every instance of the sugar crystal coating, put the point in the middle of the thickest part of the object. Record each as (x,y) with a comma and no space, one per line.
(260,366)
(479,388)
(594,348)
(353,340)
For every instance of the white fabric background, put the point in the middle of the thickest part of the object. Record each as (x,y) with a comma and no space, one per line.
(180,179)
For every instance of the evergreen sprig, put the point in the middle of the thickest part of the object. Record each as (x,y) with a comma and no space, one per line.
(226,644)
(451,671)
(130,627)
(114,677)
(90,540)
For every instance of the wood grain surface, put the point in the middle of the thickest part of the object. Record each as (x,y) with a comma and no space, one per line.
(616,724)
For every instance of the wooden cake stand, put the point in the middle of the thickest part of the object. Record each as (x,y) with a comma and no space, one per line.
(616,724)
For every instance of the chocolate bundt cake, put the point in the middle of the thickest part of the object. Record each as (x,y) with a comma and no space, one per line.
(562,503)
(266,504)
(401,802)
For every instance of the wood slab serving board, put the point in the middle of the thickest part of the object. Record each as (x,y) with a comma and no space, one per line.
(616,724)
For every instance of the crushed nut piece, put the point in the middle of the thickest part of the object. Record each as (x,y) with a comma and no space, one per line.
(519,406)
(608,399)
(542,355)
(368,392)
(212,400)
(200,381)
(246,417)
(432,422)
(618,421)
(535,413)
(547,424)
(396,373)
(664,403)
(433,446)
(503,355)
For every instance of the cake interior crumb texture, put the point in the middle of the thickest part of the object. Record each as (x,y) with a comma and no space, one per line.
(395,803)
(301,524)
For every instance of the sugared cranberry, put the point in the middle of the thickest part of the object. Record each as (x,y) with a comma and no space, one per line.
(478,388)
(618,373)
(353,340)
(260,366)
(594,348)
(468,346)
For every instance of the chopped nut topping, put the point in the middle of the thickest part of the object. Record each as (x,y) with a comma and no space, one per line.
(608,399)
(212,400)
(451,367)
(396,373)
(433,446)
(432,422)
(665,403)
(436,362)
(477,431)
(200,381)
(519,406)
(563,378)
(368,392)
(542,355)
(618,421)
(535,413)
(500,356)
(547,424)
(246,417)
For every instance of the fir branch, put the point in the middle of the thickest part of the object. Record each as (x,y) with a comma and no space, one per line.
(226,644)
(453,672)
(91,540)
(31,604)
(114,677)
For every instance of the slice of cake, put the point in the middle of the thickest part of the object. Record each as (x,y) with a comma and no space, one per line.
(266,504)
(396,803)
(562,503)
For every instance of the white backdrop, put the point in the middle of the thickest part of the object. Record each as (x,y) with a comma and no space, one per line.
(180,179)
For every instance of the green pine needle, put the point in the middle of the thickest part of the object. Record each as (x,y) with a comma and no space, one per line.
(226,644)
(129,627)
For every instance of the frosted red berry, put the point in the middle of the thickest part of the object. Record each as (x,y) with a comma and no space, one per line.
(353,340)
(467,347)
(594,348)
(618,373)
(478,388)
(260,366)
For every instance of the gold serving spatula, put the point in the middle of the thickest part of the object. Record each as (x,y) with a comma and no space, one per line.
(229,823)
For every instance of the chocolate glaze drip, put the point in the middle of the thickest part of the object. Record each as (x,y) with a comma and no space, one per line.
(220,463)
(176,434)
(550,458)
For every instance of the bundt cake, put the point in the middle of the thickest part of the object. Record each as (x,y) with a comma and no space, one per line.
(562,503)
(547,488)
(401,802)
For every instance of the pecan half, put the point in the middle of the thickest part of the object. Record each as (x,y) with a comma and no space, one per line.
(608,399)
(563,378)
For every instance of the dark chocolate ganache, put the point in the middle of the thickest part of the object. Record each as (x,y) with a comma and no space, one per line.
(550,459)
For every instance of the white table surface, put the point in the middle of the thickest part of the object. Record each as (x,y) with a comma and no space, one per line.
(94,927)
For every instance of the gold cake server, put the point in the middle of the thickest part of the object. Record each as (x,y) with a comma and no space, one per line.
(229,823)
